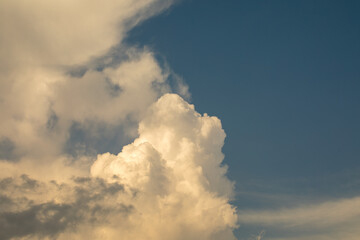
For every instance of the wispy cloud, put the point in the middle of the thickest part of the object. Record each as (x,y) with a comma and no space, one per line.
(336,219)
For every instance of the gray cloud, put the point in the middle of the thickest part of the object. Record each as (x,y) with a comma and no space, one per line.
(90,137)
(42,220)
(85,205)
(7,149)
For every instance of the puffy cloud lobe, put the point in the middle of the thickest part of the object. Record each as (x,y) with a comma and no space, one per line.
(41,42)
(176,165)
(37,120)
(112,94)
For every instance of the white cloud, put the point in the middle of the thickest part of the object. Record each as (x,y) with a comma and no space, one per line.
(67,32)
(42,40)
(167,184)
(176,164)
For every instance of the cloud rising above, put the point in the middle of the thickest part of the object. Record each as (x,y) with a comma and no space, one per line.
(94,141)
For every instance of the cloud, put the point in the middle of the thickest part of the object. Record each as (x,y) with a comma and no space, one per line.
(7,149)
(67,32)
(73,94)
(48,209)
(176,165)
(42,96)
(168,184)
(336,219)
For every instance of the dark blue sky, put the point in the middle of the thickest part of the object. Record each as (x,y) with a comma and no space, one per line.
(284,78)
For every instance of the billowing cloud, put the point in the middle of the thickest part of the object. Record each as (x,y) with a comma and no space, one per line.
(67,32)
(175,164)
(65,64)
(167,184)
(71,91)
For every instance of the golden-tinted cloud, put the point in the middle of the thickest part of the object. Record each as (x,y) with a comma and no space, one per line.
(69,86)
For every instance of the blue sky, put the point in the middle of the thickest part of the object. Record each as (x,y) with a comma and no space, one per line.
(284,78)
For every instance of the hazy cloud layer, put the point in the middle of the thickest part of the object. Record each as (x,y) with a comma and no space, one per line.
(331,220)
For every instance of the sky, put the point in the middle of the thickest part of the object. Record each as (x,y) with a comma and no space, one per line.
(191,119)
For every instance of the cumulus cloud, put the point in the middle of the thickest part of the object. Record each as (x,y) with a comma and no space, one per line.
(176,165)
(167,184)
(71,91)
(65,63)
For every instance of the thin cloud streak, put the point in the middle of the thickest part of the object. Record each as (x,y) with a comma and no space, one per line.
(328,220)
